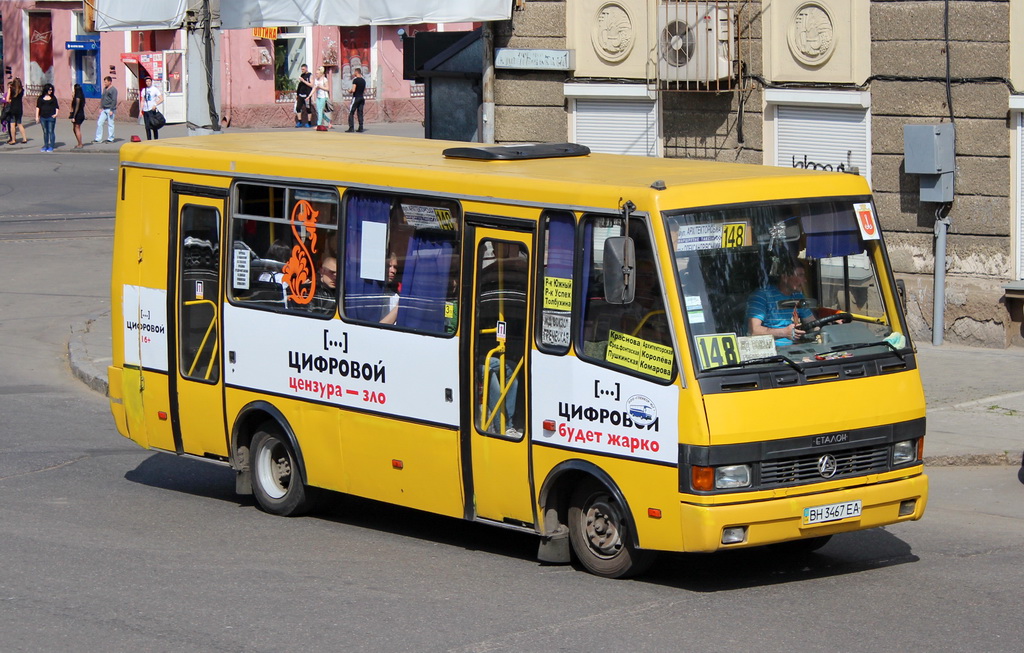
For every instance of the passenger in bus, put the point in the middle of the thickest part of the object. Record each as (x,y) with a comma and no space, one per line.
(494,394)
(326,295)
(765,315)
(391,291)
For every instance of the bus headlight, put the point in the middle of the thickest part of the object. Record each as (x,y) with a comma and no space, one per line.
(904,452)
(730,477)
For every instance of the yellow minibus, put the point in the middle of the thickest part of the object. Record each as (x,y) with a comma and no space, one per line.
(621,355)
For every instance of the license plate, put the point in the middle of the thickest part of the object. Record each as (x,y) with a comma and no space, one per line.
(831,512)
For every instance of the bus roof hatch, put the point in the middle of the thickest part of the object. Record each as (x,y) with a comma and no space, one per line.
(517,152)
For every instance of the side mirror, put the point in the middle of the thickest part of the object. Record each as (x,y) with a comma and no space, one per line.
(619,270)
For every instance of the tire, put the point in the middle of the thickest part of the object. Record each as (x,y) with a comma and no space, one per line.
(276,480)
(600,534)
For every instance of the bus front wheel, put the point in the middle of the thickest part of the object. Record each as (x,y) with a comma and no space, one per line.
(599,533)
(276,481)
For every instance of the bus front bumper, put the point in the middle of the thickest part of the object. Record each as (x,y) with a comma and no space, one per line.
(780,520)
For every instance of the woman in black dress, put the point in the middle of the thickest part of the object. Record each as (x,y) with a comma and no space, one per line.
(78,113)
(16,110)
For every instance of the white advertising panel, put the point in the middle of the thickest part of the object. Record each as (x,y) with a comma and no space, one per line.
(144,320)
(602,411)
(367,368)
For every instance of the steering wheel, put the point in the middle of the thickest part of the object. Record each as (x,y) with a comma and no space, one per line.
(822,321)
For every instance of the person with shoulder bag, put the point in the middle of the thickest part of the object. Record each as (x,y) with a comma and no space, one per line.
(150,99)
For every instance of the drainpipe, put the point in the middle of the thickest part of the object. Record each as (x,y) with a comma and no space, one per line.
(487,86)
(939,298)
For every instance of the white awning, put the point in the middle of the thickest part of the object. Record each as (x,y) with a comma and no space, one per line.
(242,14)
(123,15)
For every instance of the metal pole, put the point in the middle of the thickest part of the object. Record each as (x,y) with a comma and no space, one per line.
(939,299)
(202,61)
(487,86)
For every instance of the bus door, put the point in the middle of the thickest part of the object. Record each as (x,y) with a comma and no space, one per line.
(196,393)
(499,301)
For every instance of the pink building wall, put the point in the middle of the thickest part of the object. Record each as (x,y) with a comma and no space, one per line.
(248,97)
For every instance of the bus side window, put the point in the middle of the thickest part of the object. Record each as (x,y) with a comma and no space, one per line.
(634,336)
(284,248)
(554,328)
(401,261)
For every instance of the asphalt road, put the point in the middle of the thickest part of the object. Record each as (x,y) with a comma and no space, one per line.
(107,547)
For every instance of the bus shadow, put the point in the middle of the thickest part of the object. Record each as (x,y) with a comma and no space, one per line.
(178,474)
(197,478)
(846,553)
(698,572)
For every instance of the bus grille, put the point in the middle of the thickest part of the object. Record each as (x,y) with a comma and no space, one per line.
(804,469)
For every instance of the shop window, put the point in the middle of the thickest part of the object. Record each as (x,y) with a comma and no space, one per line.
(284,242)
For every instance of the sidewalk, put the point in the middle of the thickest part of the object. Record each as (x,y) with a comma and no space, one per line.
(975,396)
(124,131)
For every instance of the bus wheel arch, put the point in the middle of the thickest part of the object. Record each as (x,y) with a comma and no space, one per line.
(254,417)
(574,491)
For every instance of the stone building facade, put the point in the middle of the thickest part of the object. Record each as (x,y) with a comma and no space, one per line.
(817,83)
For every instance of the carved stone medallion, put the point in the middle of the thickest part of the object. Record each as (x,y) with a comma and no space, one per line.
(613,34)
(812,34)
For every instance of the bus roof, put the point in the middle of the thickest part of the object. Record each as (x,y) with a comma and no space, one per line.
(594,180)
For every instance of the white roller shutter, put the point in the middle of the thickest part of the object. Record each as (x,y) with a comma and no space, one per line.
(823,138)
(1020,197)
(617,126)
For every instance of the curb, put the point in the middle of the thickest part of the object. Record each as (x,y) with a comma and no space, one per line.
(78,357)
(1004,458)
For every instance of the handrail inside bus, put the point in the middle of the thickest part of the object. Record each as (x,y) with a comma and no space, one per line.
(644,321)
(504,383)
(206,336)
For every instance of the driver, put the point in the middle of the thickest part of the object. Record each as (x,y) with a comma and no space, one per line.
(765,316)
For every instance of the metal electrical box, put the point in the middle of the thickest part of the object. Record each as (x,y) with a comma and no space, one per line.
(929,151)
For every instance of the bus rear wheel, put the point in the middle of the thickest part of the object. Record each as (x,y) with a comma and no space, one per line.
(600,536)
(276,481)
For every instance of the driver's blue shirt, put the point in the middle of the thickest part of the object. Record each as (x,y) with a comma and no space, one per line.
(764,305)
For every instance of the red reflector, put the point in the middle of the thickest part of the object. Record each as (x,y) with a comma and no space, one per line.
(549,425)
(654,513)
(162,415)
(397,464)
(136,139)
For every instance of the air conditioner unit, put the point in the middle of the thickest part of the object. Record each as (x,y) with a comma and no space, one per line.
(696,41)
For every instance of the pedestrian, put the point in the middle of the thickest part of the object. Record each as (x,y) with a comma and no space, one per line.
(302,92)
(150,99)
(357,90)
(323,99)
(46,116)
(77,113)
(15,111)
(108,107)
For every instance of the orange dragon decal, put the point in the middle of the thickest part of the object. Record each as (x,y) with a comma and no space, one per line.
(299,274)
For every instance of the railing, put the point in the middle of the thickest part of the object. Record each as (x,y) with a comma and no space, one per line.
(288,97)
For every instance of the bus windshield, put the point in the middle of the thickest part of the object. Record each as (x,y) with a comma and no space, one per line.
(783,284)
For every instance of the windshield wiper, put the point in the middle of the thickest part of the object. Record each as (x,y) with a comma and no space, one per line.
(865,345)
(761,361)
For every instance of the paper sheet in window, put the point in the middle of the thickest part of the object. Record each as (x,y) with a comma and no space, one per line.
(373,251)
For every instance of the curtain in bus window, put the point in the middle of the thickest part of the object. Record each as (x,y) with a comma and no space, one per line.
(425,283)
(560,249)
(364,298)
(830,233)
